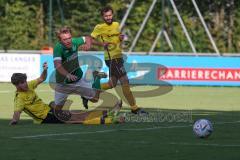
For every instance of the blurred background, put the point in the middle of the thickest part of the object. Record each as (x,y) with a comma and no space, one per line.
(176,43)
(30,25)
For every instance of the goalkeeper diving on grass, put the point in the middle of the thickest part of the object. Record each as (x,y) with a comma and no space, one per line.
(26,100)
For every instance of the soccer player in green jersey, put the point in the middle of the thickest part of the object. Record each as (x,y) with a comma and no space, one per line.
(68,72)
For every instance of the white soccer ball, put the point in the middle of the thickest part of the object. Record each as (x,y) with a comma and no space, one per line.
(202,128)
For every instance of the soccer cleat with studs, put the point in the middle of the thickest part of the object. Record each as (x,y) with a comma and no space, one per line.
(99,74)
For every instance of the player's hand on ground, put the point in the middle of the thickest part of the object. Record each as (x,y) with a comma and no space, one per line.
(72,77)
(45,66)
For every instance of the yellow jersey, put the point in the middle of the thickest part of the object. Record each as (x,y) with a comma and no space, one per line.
(109,33)
(31,104)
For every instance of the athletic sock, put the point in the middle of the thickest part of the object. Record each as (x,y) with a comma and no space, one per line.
(129,96)
(93,121)
(103,119)
(95,114)
(105,86)
(108,120)
(96,84)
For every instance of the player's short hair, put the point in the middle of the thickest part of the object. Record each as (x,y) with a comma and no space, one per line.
(18,78)
(106,9)
(63,30)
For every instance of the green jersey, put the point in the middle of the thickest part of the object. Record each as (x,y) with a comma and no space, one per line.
(69,58)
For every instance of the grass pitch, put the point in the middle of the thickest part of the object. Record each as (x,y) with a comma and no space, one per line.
(150,140)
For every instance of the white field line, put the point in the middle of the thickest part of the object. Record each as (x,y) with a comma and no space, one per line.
(226,122)
(144,142)
(63,134)
(99,131)
(112,130)
(206,144)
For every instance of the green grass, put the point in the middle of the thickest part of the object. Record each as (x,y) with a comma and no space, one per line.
(163,140)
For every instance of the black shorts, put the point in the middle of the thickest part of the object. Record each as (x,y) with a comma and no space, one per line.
(116,67)
(57,116)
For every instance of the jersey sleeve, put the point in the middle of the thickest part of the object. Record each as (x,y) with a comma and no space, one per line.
(57,52)
(96,32)
(32,84)
(79,41)
(18,105)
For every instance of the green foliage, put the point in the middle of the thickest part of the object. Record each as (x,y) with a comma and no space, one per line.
(25,24)
(19,26)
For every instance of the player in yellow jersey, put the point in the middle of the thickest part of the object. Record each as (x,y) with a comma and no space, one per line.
(27,100)
(109,36)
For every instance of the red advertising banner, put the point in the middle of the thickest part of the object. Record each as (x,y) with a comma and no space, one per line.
(199,74)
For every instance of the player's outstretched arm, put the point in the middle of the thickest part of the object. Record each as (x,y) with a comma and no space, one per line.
(44,74)
(15,118)
(59,67)
(102,44)
(88,43)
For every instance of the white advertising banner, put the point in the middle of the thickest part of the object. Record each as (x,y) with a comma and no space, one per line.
(19,63)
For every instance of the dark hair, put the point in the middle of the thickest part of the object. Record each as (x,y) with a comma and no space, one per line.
(63,30)
(18,78)
(106,9)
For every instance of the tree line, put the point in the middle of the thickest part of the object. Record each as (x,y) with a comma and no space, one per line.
(25,24)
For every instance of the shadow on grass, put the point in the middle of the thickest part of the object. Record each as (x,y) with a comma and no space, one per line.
(161,116)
